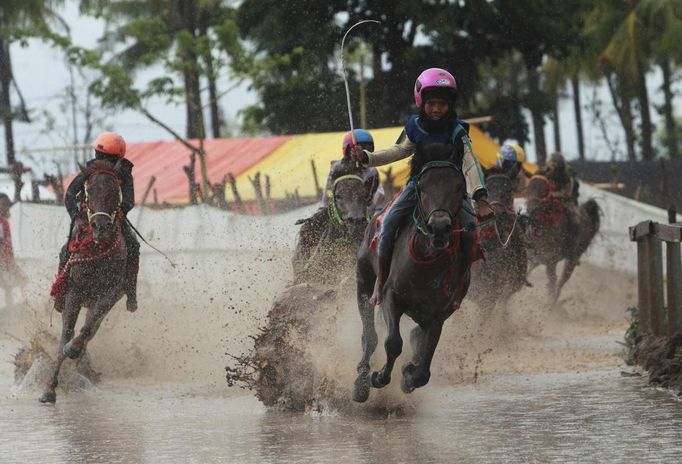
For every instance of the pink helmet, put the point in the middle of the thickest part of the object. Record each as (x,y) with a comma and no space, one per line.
(433,78)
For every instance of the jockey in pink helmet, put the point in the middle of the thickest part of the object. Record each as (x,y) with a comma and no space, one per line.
(435,91)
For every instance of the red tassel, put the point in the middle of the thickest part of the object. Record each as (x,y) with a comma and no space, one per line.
(60,286)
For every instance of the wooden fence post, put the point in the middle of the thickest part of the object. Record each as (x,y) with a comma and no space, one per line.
(674,280)
(656,303)
(643,286)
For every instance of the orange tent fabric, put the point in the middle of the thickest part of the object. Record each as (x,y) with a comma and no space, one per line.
(165,161)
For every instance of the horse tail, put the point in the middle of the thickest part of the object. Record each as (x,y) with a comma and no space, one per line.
(593,211)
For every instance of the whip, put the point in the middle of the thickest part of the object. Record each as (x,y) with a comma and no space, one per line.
(345,78)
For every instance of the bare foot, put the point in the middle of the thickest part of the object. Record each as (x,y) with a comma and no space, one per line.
(378,294)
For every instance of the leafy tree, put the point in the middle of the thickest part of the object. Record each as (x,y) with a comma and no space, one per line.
(176,33)
(19,20)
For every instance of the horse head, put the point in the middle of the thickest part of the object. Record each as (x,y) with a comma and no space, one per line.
(440,189)
(103,198)
(348,201)
(500,189)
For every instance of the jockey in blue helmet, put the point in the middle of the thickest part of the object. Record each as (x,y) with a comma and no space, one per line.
(363,139)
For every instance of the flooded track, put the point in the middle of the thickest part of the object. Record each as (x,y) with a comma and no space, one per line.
(596,417)
(519,385)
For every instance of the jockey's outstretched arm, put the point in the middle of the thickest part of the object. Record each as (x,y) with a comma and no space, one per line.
(472,172)
(391,154)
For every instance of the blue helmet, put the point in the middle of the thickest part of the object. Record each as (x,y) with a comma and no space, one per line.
(361,136)
(510,154)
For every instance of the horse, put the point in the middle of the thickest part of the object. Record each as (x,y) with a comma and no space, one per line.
(327,242)
(429,274)
(504,270)
(93,277)
(558,230)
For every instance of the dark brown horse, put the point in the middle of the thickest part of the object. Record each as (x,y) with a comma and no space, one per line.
(328,242)
(94,273)
(558,230)
(429,273)
(503,272)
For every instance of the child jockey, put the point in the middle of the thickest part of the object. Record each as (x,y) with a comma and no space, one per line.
(109,146)
(437,122)
(375,191)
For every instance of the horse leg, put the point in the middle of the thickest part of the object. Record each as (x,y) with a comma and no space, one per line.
(69,317)
(569,267)
(94,318)
(417,374)
(365,284)
(551,275)
(393,344)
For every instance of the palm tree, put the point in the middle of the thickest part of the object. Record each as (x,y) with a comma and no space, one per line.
(663,20)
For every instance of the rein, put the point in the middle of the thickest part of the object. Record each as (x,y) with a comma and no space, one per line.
(332,209)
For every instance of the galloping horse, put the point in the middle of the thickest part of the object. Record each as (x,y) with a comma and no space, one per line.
(506,260)
(429,273)
(93,276)
(558,230)
(328,242)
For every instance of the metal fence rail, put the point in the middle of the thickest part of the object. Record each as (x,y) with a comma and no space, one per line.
(657,316)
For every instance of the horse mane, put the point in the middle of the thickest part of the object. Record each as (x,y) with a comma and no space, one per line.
(99,166)
(431,152)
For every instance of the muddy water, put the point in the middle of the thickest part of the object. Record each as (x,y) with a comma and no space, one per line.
(520,384)
(595,417)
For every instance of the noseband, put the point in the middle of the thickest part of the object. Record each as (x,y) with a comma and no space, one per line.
(421,219)
(111,216)
(333,210)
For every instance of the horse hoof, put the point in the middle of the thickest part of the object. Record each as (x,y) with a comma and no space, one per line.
(406,383)
(48,397)
(361,388)
(378,380)
(72,351)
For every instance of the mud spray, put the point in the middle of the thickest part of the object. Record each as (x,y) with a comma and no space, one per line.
(193,321)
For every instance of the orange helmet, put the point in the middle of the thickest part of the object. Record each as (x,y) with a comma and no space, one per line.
(110,143)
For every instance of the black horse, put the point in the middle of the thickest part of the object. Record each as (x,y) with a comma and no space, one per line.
(504,270)
(94,275)
(429,273)
(328,241)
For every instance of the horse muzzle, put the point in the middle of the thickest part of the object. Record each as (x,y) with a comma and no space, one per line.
(440,231)
(101,229)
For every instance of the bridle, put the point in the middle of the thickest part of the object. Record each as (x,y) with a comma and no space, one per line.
(421,219)
(111,216)
(332,209)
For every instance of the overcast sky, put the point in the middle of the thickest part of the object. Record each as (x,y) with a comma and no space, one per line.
(42,75)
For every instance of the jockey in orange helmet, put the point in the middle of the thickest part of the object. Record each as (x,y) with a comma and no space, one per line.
(110,147)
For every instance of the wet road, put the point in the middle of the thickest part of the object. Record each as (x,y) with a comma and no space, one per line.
(594,417)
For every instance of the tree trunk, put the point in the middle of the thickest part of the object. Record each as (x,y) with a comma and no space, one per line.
(216,122)
(623,104)
(557,126)
(577,109)
(645,112)
(537,116)
(190,64)
(5,101)
(670,126)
